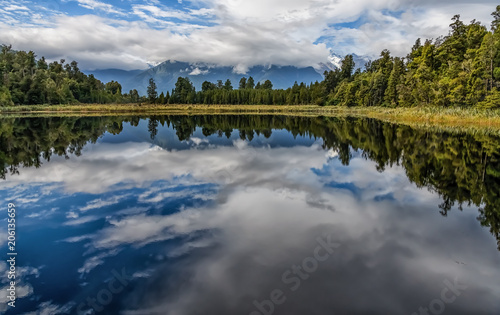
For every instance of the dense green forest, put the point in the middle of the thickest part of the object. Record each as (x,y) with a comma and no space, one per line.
(24,80)
(461,69)
(461,167)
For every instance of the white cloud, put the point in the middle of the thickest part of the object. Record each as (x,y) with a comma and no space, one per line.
(22,291)
(14,7)
(42,213)
(99,203)
(140,165)
(82,220)
(150,12)
(197,71)
(258,234)
(23,288)
(94,261)
(239,33)
(98,42)
(240,69)
(398,33)
(3,237)
(198,141)
(98,5)
(254,241)
(48,308)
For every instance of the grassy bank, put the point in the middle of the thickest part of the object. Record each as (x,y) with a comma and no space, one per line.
(419,116)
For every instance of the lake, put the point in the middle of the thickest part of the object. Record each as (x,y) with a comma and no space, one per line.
(248,215)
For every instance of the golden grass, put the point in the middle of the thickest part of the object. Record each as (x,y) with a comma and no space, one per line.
(416,116)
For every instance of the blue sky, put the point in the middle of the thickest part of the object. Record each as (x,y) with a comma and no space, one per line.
(130,34)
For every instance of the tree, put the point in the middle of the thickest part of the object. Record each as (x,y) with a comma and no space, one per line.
(42,64)
(134,96)
(75,71)
(183,91)
(250,83)
(486,56)
(391,94)
(243,83)
(114,87)
(220,85)
(455,44)
(267,85)
(347,67)
(332,79)
(161,99)
(153,127)
(207,86)
(495,24)
(457,27)
(415,51)
(5,98)
(227,85)
(152,93)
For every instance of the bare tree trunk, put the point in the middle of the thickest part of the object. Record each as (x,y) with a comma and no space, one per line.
(491,68)
(484,169)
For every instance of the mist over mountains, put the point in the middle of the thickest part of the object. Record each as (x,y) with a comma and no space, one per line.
(167,73)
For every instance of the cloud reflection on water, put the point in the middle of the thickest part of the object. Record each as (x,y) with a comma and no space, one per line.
(217,245)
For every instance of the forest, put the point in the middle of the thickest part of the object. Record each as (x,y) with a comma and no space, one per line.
(24,80)
(461,69)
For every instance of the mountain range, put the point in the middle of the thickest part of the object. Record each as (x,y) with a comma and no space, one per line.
(167,73)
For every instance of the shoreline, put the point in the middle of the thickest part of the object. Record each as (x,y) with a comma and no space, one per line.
(413,116)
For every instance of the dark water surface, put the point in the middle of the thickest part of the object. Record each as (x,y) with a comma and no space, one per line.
(249,215)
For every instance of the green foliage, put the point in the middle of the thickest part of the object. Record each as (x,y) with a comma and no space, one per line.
(496,19)
(347,67)
(496,73)
(5,98)
(243,83)
(184,91)
(152,93)
(262,94)
(267,85)
(491,101)
(207,86)
(228,86)
(24,80)
(161,98)
(113,87)
(460,70)
(250,83)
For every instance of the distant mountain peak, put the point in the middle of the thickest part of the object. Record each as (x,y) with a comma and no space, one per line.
(152,64)
(335,59)
(335,62)
(166,74)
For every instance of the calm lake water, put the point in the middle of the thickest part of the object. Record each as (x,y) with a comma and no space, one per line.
(249,215)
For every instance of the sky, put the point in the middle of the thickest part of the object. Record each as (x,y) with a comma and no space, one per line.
(134,34)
